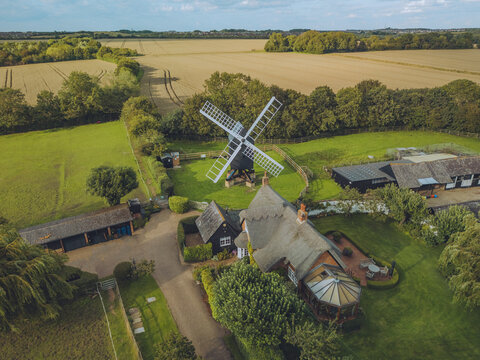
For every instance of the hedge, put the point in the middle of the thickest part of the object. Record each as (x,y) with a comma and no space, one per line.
(185,226)
(81,281)
(178,204)
(197,253)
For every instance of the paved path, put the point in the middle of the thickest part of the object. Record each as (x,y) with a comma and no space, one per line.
(157,241)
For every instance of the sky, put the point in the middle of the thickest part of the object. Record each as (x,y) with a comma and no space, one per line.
(188,15)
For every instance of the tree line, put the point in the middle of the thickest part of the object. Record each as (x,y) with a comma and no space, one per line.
(369,104)
(67,48)
(315,42)
(80,100)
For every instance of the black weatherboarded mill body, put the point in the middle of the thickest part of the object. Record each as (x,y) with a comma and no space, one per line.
(218,227)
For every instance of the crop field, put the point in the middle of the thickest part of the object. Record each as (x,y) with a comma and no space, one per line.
(33,78)
(191,181)
(44,172)
(176,69)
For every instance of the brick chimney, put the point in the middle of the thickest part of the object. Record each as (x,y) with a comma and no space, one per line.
(265,179)
(302,214)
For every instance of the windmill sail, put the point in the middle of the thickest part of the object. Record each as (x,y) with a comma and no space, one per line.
(226,157)
(217,116)
(264,118)
(241,140)
(262,159)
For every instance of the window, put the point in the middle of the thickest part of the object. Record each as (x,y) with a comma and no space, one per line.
(225,241)
(291,275)
(242,253)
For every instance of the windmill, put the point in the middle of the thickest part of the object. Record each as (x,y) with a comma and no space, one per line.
(240,151)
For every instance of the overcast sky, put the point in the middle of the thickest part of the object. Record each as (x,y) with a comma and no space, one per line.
(159,15)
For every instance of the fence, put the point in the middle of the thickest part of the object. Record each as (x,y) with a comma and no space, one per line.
(127,324)
(214,153)
(297,167)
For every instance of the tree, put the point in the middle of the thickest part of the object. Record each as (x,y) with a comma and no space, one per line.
(404,205)
(14,111)
(79,96)
(316,342)
(47,112)
(175,347)
(459,262)
(256,307)
(30,283)
(112,183)
(446,223)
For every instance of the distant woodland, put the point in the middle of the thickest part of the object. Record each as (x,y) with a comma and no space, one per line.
(67,48)
(315,42)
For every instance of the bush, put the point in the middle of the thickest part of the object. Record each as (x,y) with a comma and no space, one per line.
(347,251)
(166,185)
(143,268)
(208,281)
(197,272)
(123,271)
(178,204)
(70,273)
(386,284)
(139,223)
(197,253)
(224,255)
(337,236)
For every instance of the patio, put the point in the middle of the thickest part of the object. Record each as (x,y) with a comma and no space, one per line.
(355,262)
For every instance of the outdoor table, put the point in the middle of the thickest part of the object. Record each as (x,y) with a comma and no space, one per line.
(373,268)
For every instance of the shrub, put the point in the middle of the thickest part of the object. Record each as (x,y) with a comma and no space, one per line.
(123,271)
(178,204)
(70,273)
(224,255)
(386,284)
(208,281)
(336,236)
(197,272)
(347,251)
(197,253)
(139,223)
(166,185)
(143,268)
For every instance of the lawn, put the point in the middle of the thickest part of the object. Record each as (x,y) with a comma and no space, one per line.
(156,317)
(44,173)
(416,319)
(191,181)
(79,333)
(348,149)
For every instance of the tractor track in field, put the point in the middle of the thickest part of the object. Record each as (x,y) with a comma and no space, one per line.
(6,79)
(60,73)
(46,84)
(11,78)
(102,74)
(141,47)
(166,88)
(123,44)
(171,87)
(150,92)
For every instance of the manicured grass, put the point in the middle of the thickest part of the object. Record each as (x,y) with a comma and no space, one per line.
(156,317)
(191,181)
(344,150)
(79,333)
(416,319)
(124,345)
(43,173)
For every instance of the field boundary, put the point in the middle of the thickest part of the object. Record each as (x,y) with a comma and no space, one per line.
(297,167)
(108,323)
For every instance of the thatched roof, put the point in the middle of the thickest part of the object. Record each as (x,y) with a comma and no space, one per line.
(211,219)
(75,225)
(275,234)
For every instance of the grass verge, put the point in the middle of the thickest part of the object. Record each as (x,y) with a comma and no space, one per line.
(416,319)
(156,317)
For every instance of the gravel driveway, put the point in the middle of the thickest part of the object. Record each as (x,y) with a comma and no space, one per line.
(157,241)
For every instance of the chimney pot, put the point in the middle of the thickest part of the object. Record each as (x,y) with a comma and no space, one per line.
(302,214)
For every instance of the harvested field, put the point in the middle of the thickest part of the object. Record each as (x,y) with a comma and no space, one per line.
(33,78)
(190,62)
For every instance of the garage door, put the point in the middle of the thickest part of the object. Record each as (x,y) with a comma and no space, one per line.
(74,242)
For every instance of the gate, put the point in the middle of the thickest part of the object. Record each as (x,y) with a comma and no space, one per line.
(107,284)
